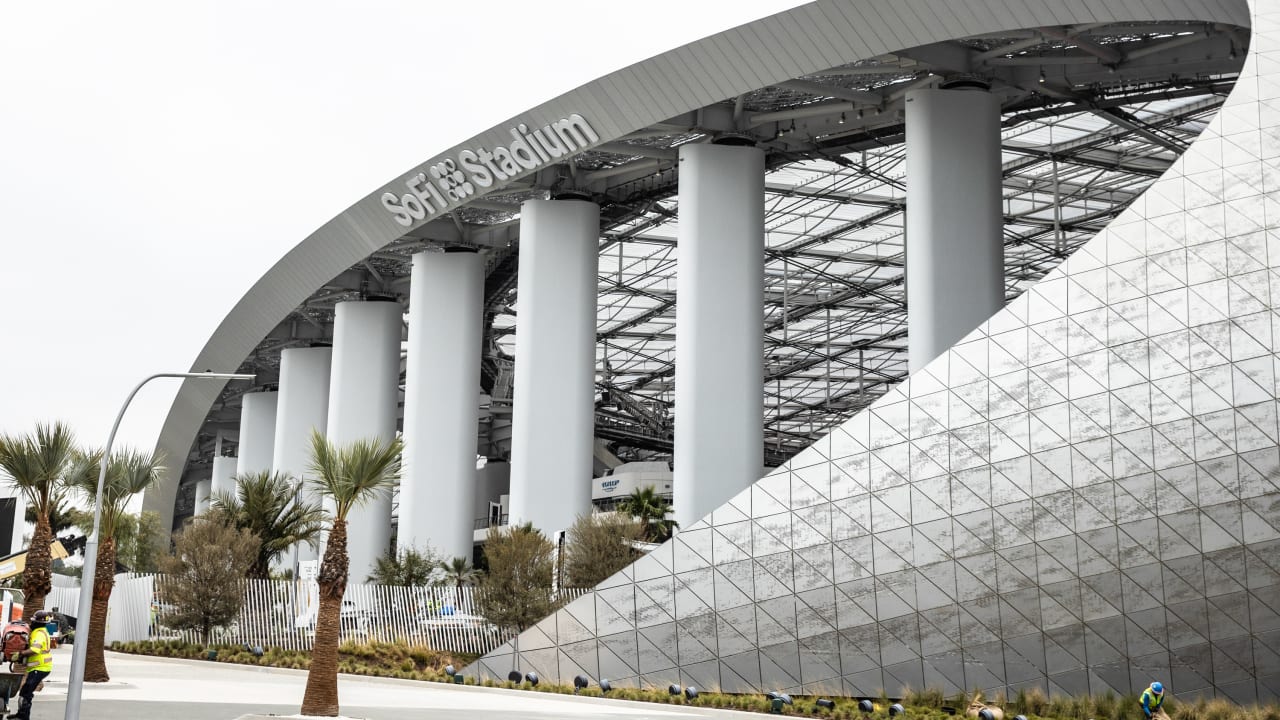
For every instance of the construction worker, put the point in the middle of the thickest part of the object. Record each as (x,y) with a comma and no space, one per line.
(1152,699)
(39,661)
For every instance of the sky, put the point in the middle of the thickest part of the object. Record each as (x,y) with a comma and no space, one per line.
(156,158)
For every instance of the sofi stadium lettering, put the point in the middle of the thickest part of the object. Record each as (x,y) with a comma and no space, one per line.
(451,181)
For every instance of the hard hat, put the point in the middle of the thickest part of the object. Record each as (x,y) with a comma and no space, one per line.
(1157,688)
(42,616)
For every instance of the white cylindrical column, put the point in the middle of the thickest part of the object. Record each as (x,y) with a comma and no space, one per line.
(554,396)
(303,407)
(955,252)
(364,395)
(203,488)
(257,432)
(719,443)
(223,480)
(441,405)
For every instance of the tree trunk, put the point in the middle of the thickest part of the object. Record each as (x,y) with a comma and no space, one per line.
(321,696)
(35,578)
(260,569)
(95,664)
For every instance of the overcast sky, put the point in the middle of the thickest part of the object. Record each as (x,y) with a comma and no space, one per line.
(157,158)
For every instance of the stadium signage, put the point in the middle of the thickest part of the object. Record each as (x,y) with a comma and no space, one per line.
(453,180)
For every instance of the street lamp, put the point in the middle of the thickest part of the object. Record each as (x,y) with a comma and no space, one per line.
(75,683)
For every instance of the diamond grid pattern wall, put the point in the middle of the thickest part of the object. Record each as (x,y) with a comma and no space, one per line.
(1081,496)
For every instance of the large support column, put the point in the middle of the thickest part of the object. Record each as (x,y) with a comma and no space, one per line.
(364,394)
(719,327)
(257,432)
(203,488)
(554,395)
(441,411)
(302,408)
(955,255)
(223,481)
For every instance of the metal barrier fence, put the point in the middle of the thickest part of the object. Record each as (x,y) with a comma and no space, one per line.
(282,613)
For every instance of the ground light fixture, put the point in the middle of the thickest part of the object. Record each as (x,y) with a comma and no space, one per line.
(896,709)
(531,678)
(605,687)
(580,682)
(515,677)
(866,706)
(449,670)
(691,693)
(75,682)
(673,689)
(825,703)
(777,699)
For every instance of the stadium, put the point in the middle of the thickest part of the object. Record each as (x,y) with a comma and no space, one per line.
(950,322)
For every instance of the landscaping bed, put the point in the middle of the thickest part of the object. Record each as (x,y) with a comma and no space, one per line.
(407,663)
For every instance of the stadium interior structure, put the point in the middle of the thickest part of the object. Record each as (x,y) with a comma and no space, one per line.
(839,585)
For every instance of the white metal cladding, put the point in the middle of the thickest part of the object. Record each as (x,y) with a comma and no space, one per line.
(771,50)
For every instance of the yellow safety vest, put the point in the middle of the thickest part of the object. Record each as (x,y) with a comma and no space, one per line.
(1152,700)
(42,657)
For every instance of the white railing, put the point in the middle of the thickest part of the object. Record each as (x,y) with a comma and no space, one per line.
(281,613)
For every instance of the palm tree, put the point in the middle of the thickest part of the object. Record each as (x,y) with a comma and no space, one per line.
(349,476)
(651,510)
(61,517)
(35,464)
(459,572)
(129,472)
(269,505)
(410,567)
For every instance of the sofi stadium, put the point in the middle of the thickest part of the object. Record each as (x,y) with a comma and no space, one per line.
(948,326)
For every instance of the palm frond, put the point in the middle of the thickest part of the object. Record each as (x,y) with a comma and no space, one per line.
(354,474)
(35,462)
(269,505)
(129,472)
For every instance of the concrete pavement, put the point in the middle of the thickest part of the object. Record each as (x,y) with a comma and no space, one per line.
(162,688)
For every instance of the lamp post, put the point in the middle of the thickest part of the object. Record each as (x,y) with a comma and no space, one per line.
(75,683)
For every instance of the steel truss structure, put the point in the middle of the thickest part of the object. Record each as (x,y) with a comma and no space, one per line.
(1092,114)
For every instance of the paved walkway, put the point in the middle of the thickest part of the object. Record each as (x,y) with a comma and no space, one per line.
(163,688)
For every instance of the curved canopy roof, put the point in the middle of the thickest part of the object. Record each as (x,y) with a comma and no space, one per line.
(1093,112)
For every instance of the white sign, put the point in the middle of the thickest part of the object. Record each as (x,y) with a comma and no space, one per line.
(453,181)
(309,569)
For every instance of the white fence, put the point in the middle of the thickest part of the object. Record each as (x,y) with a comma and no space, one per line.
(281,613)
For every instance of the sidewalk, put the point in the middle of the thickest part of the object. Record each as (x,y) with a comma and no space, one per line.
(162,688)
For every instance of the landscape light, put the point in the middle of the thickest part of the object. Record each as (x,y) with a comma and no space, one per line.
(605,687)
(897,709)
(449,670)
(691,693)
(866,706)
(825,703)
(673,689)
(579,682)
(532,677)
